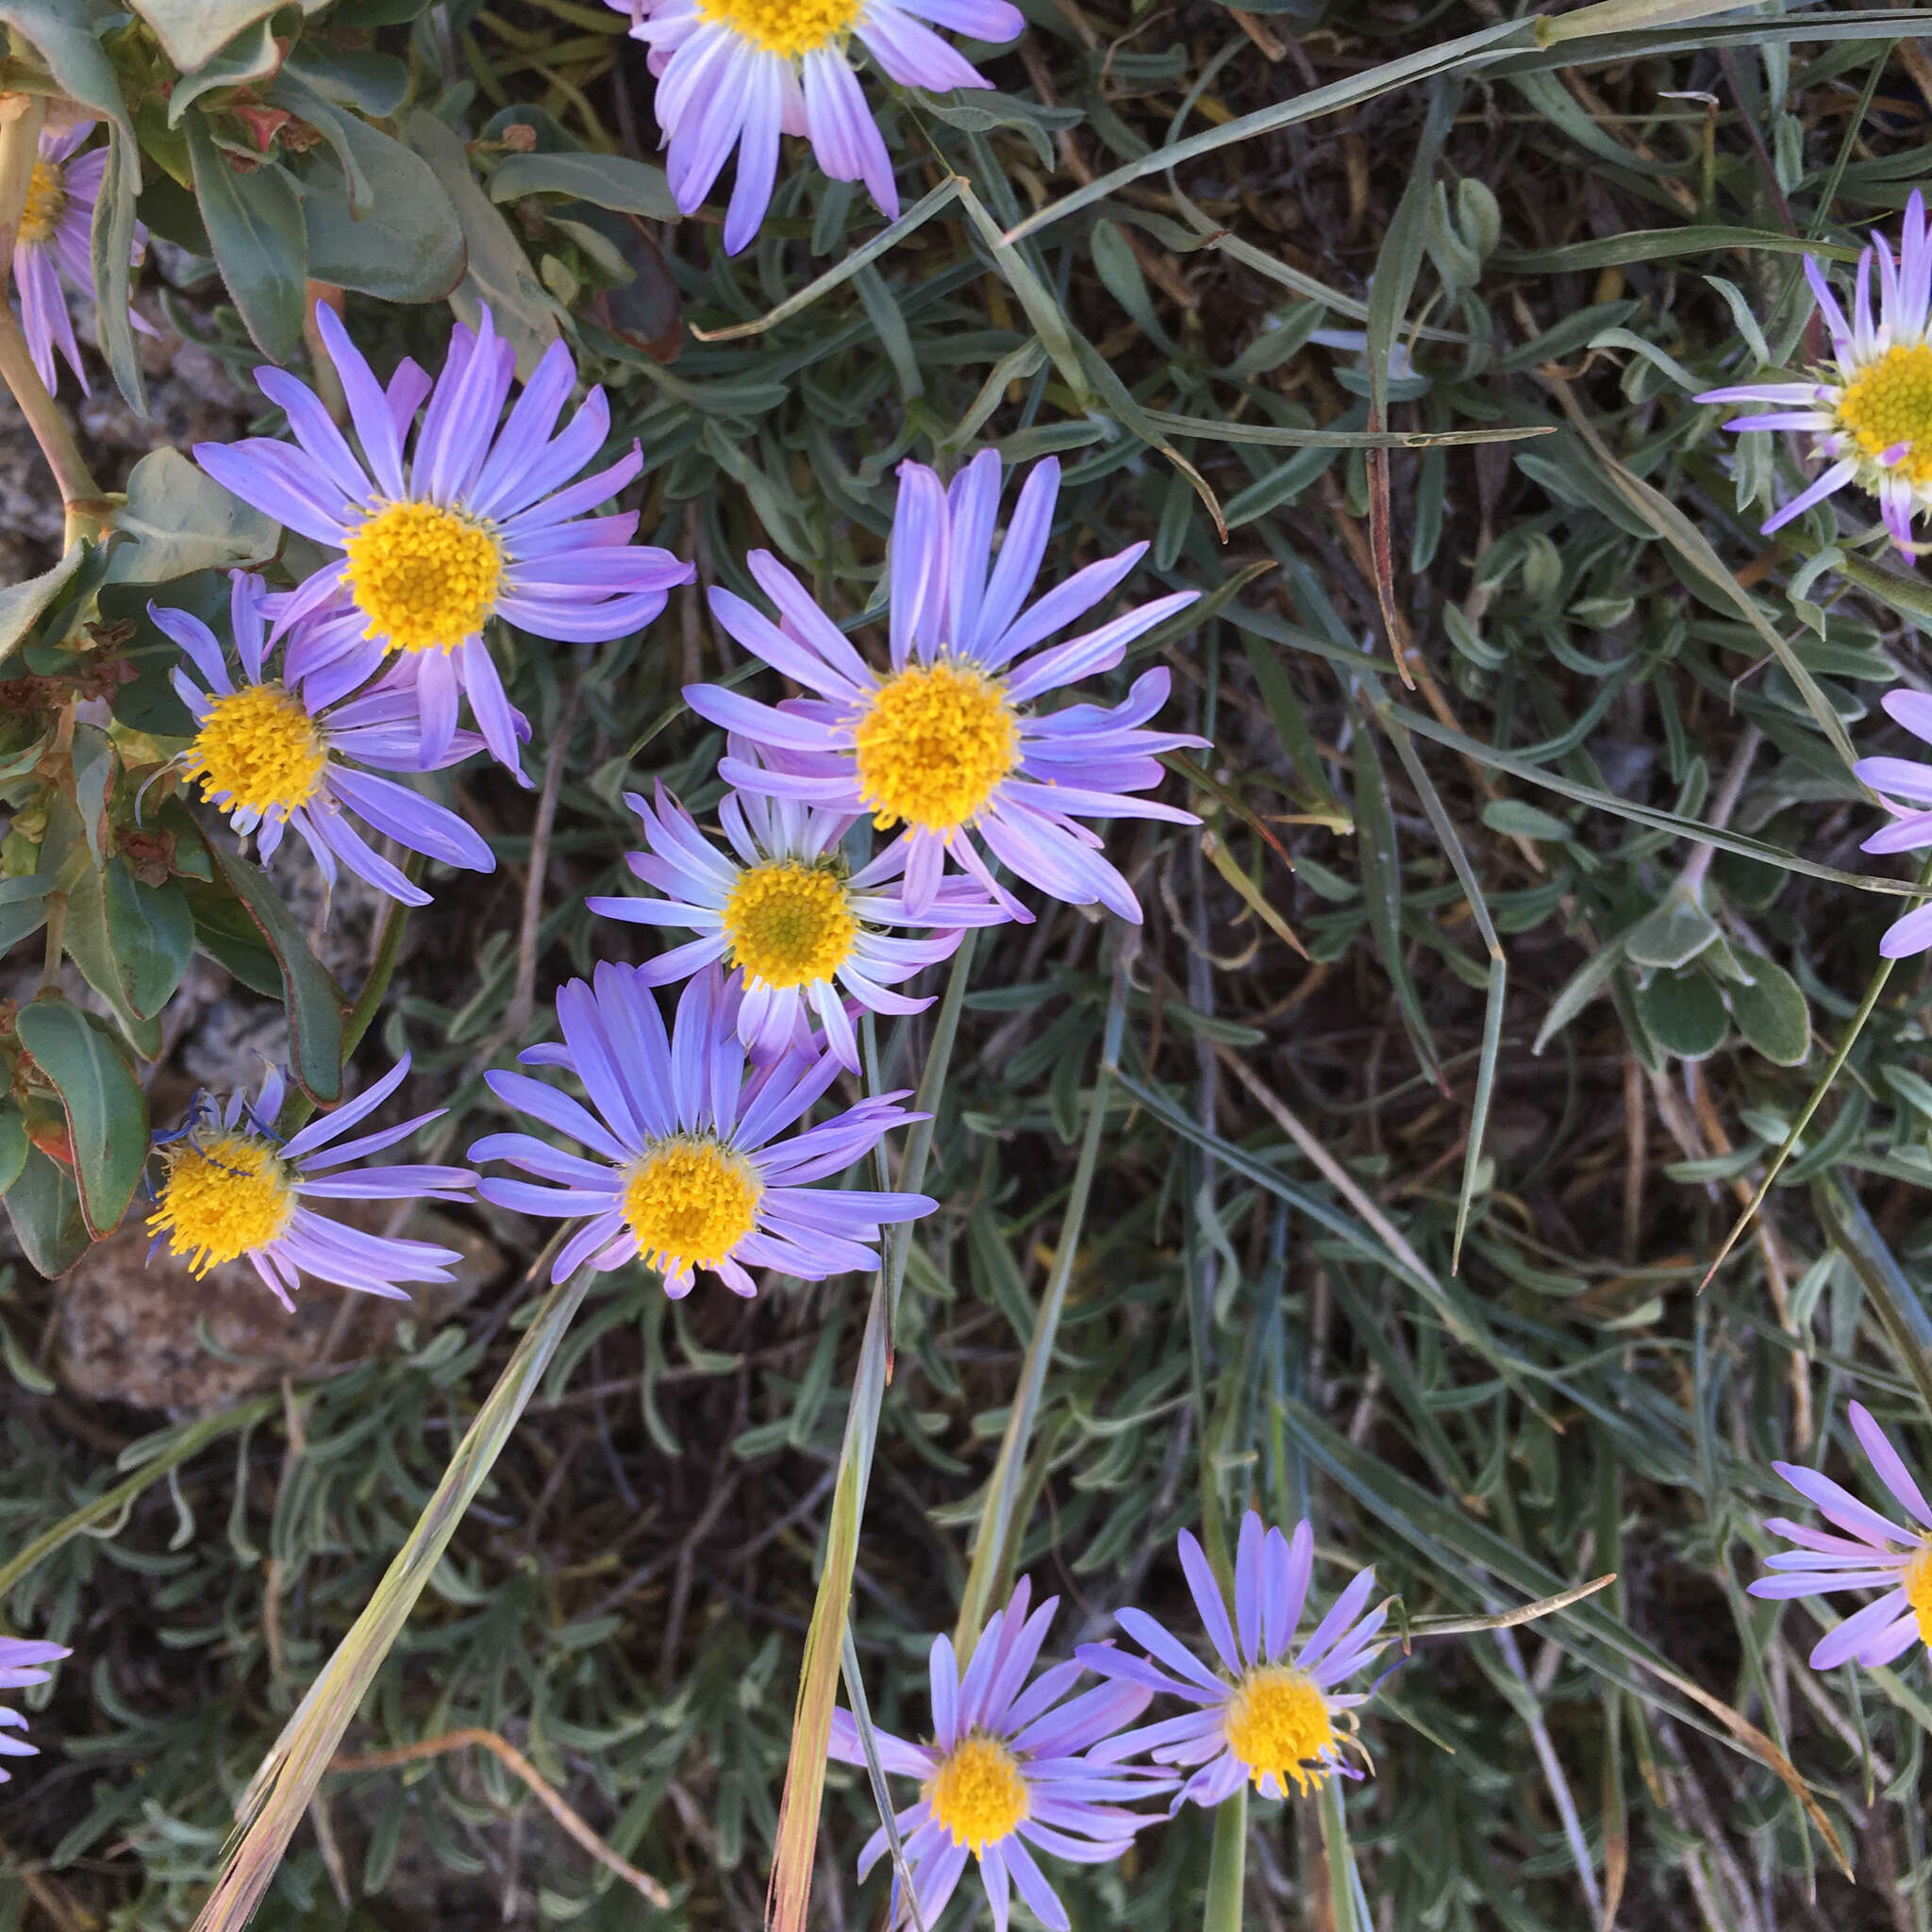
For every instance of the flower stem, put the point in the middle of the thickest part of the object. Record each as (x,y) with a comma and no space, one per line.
(1227,1864)
(85,508)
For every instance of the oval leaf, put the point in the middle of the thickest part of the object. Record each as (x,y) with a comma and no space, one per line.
(152,936)
(262,246)
(45,1212)
(1771,1014)
(106,1112)
(1686,1014)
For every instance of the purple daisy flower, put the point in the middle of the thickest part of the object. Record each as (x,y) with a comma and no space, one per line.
(483,523)
(232,1188)
(1869,412)
(799,927)
(1272,1720)
(1875,1553)
(688,1174)
(1912,829)
(267,759)
(55,230)
(737,73)
(1011,1770)
(947,741)
(20,1658)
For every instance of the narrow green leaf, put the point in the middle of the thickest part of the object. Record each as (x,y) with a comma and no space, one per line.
(612,181)
(314,1003)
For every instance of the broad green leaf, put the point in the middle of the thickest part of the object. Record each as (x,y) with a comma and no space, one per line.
(1673,933)
(1686,1013)
(314,1003)
(612,181)
(181,521)
(262,246)
(377,84)
(14,1146)
(151,935)
(92,948)
(251,56)
(194,31)
(1771,1014)
(22,605)
(45,1212)
(499,272)
(231,939)
(23,908)
(106,1112)
(110,246)
(407,246)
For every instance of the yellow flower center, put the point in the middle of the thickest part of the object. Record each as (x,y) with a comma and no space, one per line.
(1918,1583)
(260,748)
(425,577)
(1891,403)
(934,745)
(223,1195)
(1278,1722)
(691,1200)
(788,923)
(978,1793)
(46,201)
(790,28)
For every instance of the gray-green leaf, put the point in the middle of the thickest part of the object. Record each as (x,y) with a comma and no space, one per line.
(106,1112)
(1771,1014)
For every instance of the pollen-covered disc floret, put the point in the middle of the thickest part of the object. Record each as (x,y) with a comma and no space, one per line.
(688,1201)
(257,751)
(689,1169)
(1871,1553)
(933,744)
(22,1662)
(1280,1725)
(229,1186)
(787,924)
(425,577)
(1868,413)
(224,1193)
(801,934)
(737,73)
(46,202)
(480,522)
(1273,1716)
(53,246)
(948,741)
(790,29)
(1012,1770)
(265,754)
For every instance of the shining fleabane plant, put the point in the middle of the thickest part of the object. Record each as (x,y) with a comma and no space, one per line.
(1869,412)
(231,1187)
(483,522)
(1873,1554)
(1011,1770)
(1277,1717)
(737,73)
(263,756)
(690,1173)
(55,230)
(799,929)
(22,1661)
(949,742)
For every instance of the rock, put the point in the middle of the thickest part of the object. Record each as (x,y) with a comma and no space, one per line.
(151,1334)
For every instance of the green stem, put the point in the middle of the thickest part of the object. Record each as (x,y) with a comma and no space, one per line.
(1344,1887)
(1227,1865)
(191,1442)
